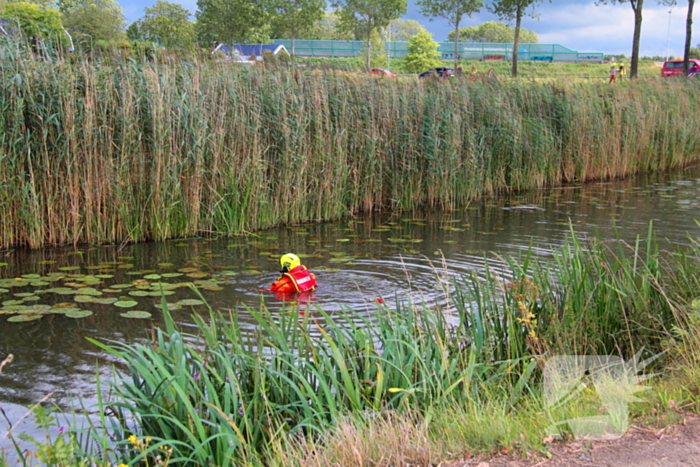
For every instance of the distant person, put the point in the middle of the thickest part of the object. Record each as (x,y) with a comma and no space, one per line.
(613,74)
(295,277)
(621,72)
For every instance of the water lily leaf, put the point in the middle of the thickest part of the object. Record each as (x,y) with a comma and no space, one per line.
(23,294)
(197,275)
(136,314)
(125,303)
(84,298)
(11,302)
(79,313)
(186,270)
(23,318)
(190,302)
(104,276)
(31,276)
(158,293)
(3,264)
(69,268)
(106,301)
(172,274)
(33,298)
(4,290)
(139,293)
(343,240)
(152,277)
(171,306)
(121,286)
(89,291)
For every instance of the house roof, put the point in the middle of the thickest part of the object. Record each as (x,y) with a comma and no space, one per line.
(247,50)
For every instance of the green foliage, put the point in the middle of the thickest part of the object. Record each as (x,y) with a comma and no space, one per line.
(328,29)
(167,24)
(232,22)
(451,10)
(422,53)
(493,31)
(101,20)
(35,21)
(363,17)
(403,29)
(293,19)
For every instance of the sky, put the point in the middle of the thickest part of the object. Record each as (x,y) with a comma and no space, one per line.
(577,24)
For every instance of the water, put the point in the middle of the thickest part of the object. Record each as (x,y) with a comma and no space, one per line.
(387,256)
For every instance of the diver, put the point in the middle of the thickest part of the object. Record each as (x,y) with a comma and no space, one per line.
(295,277)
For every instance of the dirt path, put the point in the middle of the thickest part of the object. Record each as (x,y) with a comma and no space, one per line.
(677,445)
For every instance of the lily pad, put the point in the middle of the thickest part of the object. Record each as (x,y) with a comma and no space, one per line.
(190,302)
(139,293)
(125,303)
(23,318)
(158,293)
(106,301)
(69,268)
(172,274)
(136,314)
(79,314)
(31,276)
(84,298)
(152,277)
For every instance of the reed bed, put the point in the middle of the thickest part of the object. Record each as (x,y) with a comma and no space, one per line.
(112,152)
(306,381)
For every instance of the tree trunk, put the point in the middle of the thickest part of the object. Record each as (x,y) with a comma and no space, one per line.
(456,43)
(637,7)
(516,42)
(369,48)
(688,36)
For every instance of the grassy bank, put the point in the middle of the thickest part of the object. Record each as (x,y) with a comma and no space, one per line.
(128,152)
(405,386)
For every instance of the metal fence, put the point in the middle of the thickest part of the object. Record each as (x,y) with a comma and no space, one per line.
(481,51)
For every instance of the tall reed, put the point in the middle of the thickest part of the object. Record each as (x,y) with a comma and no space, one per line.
(97,152)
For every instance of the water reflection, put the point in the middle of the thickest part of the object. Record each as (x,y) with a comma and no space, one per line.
(383,256)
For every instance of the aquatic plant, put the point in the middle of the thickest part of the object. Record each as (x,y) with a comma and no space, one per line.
(96,153)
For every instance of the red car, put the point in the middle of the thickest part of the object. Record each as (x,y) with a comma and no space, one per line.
(675,68)
(382,72)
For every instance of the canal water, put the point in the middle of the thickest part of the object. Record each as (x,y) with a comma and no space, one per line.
(54,299)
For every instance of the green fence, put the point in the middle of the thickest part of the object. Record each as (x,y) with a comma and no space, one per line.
(482,51)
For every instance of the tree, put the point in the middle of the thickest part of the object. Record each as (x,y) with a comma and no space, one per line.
(422,53)
(452,10)
(637,6)
(493,31)
(403,30)
(688,35)
(232,21)
(35,21)
(365,16)
(101,20)
(292,18)
(167,24)
(327,29)
(510,10)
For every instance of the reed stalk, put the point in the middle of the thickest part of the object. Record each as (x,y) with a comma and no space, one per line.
(127,151)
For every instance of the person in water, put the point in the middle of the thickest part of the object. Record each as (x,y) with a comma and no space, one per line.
(295,277)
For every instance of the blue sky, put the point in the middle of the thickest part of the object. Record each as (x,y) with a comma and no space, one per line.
(577,24)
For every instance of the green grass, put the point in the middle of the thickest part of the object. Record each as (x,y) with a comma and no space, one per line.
(99,153)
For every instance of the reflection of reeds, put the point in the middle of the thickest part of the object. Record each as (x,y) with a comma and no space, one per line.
(107,153)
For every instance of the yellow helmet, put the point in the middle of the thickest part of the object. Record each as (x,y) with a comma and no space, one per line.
(289,262)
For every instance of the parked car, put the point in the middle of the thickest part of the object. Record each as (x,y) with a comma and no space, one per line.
(440,71)
(675,68)
(382,72)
